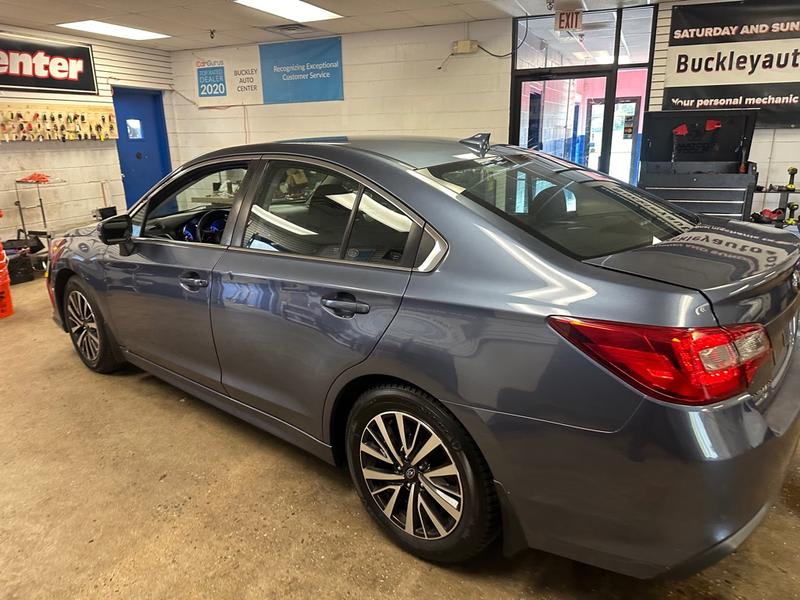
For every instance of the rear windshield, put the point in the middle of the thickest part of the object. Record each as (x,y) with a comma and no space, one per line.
(582,213)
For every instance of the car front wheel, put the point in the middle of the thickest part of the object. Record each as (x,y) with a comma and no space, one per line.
(419,474)
(87,329)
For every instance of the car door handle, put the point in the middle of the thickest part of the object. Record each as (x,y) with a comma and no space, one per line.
(345,305)
(192,282)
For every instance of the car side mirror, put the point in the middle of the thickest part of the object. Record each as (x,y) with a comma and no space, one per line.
(116,230)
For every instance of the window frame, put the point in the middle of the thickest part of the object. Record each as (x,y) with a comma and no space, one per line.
(608,70)
(412,243)
(177,180)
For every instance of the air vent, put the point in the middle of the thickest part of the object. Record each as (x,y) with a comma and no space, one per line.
(293,30)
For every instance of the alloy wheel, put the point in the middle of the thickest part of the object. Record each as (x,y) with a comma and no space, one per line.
(411,475)
(83,326)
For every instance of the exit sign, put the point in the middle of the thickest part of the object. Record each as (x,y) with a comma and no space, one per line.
(569,20)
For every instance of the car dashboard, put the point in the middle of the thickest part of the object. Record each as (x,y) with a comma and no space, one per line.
(186,226)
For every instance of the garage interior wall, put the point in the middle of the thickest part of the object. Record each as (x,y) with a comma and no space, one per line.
(87,166)
(774,150)
(392,86)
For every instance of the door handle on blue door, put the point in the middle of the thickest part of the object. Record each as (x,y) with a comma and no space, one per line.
(344,305)
(192,281)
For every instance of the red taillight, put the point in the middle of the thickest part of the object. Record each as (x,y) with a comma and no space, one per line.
(56,248)
(690,366)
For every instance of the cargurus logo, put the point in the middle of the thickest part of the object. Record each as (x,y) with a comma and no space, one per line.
(209,63)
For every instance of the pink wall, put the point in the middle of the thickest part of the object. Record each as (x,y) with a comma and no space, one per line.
(630,84)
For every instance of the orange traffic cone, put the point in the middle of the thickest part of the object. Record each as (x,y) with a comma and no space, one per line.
(6,307)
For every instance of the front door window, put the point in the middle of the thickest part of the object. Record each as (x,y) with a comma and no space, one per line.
(194,208)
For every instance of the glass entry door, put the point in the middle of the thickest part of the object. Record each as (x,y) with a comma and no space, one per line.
(623,136)
(556,117)
(565,82)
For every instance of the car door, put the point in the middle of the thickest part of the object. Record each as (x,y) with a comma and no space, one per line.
(158,294)
(314,275)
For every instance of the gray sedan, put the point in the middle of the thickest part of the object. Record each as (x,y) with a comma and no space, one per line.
(499,344)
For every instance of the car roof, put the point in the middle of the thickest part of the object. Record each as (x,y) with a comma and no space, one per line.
(415,152)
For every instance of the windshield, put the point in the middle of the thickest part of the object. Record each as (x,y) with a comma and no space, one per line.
(582,213)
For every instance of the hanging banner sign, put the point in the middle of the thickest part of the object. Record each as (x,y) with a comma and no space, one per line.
(279,73)
(32,64)
(228,76)
(736,55)
(302,71)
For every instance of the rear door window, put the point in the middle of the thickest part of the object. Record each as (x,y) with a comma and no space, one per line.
(303,209)
(313,211)
(380,231)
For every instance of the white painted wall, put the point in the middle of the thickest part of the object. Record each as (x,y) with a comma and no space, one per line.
(775,150)
(391,86)
(85,165)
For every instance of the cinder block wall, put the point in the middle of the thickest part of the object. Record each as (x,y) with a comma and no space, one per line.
(83,165)
(392,85)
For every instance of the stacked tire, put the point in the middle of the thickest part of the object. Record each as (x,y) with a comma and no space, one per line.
(6,307)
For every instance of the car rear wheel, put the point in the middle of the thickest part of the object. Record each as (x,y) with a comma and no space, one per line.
(419,474)
(87,328)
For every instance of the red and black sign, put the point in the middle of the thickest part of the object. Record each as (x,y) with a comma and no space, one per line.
(31,64)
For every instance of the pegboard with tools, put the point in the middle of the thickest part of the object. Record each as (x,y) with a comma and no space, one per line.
(55,121)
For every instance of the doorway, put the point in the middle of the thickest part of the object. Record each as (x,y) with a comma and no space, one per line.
(624,137)
(142,145)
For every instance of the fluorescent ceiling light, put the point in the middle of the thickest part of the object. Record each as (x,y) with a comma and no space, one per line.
(120,31)
(293,10)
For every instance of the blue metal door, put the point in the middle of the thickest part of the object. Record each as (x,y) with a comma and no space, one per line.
(142,144)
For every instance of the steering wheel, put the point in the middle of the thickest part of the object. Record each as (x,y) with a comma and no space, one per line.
(211,225)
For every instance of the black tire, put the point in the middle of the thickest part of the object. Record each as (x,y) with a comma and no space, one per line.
(445,539)
(100,355)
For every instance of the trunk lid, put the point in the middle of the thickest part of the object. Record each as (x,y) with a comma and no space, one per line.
(749,273)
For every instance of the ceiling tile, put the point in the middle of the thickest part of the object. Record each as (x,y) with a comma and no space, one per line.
(50,12)
(484,10)
(344,25)
(418,4)
(203,17)
(354,8)
(172,28)
(439,15)
(28,23)
(133,5)
(519,8)
(257,35)
(392,20)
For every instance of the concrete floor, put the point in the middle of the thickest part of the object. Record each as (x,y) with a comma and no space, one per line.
(122,486)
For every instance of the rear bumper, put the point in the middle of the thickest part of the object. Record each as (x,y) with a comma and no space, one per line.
(671,492)
(718,551)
